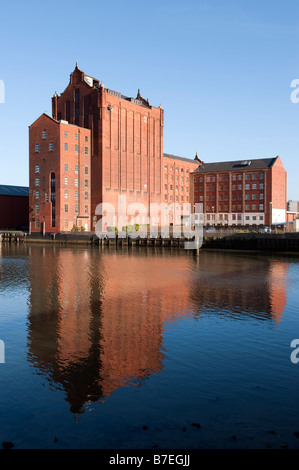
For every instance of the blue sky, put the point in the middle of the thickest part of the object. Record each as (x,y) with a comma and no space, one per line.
(221,70)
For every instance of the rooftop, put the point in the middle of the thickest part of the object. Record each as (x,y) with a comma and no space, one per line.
(6,190)
(256,164)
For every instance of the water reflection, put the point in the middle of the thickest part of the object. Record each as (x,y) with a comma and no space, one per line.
(96,319)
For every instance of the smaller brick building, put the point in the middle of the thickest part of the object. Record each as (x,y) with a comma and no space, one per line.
(14,203)
(59,174)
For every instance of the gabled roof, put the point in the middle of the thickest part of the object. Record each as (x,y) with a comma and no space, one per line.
(6,190)
(256,164)
(47,116)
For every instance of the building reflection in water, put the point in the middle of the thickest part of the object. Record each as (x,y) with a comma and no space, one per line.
(96,319)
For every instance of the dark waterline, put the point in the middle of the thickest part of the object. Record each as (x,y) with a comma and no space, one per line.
(117,349)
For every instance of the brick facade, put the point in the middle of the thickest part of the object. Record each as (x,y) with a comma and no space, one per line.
(59,176)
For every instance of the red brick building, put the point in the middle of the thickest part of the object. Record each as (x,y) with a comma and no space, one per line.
(14,203)
(126,140)
(100,145)
(59,176)
(177,186)
(242,192)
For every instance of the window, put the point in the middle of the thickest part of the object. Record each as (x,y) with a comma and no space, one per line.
(234,177)
(261,196)
(254,196)
(261,176)
(254,176)
(261,185)
(247,207)
(254,186)
(51,146)
(86,183)
(36,194)
(37,148)
(247,196)
(77,148)
(247,186)
(261,207)
(66,168)
(261,217)
(66,181)
(165,187)
(76,182)
(37,224)
(66,208)
(76,136)
(247,217)
(171,168)
(182,189)
(47,197)
(76,208)
(66,146)
(86,196)
(254,217)
(254,207)
(44,133)
(86,209)
(165,167)
(86,150)
(86,138)
(247,177)
(76,195)
(239,186)
(239,177)
(36,181)
(86,170)
(170,187)
(36,168)
(66,194)
(66,134)
(76,168)
(37,208)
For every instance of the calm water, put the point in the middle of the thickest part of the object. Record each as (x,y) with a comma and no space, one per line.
(107,349)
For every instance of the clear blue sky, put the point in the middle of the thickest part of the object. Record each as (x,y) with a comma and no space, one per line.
(221,69)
